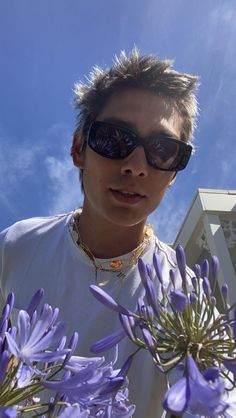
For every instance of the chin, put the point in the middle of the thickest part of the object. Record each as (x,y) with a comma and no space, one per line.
(126,218)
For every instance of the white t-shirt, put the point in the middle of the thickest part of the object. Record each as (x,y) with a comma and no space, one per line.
(40,252)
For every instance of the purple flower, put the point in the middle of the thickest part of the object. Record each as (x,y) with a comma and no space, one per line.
(143,271)
(193,299)
(176,398)
(3,327)
(181,261)
(77,363)
(206,287)
(172,277)
(33,340)
(97,388)
(23,376)
(128,324)
(215,266)
(74,411)
(194,282)
(151,294)
(4,357)
(197,271)
(35,301)
(8,412)
(126,366)
(72,346)
(157,266)
(149,341)
(231,366)
(179,300)
(10,301)
(5,312)
(211,373)
(196,394)
(109,341)
(224,291)
(107,300)
(213,300)
(205,268)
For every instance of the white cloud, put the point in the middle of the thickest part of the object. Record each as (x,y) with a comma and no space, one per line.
(225,13)
(16,161)
(24,159)
(64,183)
(6,202)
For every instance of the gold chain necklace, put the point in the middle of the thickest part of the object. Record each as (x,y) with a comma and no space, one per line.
(116,265)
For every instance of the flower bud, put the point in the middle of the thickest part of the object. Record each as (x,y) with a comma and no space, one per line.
(172,277)
(193,299)
(107,300)
(181,261)
(206,287)
(215,266)
(35,301)
(194,282)
(197,271)
(178,300)
(205,268)
(224,291)
(211,373)
(157,266)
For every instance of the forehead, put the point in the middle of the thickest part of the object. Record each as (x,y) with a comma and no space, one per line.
(145,111)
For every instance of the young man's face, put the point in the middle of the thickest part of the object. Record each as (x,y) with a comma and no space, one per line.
(106,180)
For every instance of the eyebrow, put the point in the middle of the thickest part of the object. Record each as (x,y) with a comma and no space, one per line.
(129,125)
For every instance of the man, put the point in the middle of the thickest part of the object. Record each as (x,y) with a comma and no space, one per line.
(135,124)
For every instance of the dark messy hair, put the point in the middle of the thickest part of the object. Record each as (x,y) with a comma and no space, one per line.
(137,71)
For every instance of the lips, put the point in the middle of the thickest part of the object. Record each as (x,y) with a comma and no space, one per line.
(126,196)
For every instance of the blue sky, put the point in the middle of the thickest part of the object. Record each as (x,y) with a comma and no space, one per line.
(47,45)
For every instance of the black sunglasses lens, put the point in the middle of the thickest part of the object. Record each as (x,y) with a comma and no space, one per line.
(110,141)
(167,154)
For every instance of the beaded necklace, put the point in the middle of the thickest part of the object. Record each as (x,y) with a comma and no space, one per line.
(117,264)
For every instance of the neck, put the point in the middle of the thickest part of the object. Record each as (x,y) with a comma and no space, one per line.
(106,239)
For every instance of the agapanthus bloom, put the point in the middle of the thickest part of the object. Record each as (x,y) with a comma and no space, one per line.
(183,326)
(34,356)
(197,393)
(34,341)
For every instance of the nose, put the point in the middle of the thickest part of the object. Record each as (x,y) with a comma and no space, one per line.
(136,163)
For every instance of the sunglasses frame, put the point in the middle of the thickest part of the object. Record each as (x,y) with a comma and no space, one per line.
(184,147)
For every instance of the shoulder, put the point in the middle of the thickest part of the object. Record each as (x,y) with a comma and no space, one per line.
(33,227)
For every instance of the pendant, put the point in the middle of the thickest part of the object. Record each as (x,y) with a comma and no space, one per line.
(116,264)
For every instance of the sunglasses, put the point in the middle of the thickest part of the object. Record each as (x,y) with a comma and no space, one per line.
(162,151)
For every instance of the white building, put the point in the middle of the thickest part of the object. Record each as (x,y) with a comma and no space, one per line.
(210,228)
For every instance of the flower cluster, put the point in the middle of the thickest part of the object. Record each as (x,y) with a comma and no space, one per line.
(35,357)
(183,331)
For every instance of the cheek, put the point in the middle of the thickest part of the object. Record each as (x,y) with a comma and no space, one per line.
(160,180)
(95,174)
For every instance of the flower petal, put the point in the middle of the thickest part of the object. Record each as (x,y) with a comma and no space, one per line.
(181,261)
(35,301)
(109,341)
(157,266)
(176,398)
(179,300)
(107,300)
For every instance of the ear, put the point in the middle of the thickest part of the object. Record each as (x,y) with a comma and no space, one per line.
(77,150)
